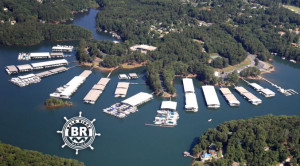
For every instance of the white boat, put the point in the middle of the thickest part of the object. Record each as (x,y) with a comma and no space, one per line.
(209,120)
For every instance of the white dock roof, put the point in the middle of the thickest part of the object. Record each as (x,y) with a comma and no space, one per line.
(188,85)
(103,81)
(191,101)
(40,54)
(98,87)
(256,86)
(210,95)
(48,63)
(85,73)
(169,105)
(93,95)
(12,68)
(24,67)
(268,92)
(138,99)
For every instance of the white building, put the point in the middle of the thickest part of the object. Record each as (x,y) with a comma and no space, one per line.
(211,97)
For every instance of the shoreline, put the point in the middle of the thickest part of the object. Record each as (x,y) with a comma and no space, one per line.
(58,106)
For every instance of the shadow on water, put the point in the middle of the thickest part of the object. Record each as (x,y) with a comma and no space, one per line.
(195,142)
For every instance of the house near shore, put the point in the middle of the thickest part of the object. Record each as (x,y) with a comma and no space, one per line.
(144,48)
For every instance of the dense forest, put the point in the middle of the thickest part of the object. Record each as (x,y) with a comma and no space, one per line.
(265,140)
(188,33)
(11,155)
(28,22)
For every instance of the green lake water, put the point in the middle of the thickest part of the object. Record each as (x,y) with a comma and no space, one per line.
(24,122)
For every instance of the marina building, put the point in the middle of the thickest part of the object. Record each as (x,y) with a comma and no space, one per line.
(230,98)
(133,76)
(96,91)
(56,55)
(143,48)
(62,48)
(211,97)
(123,77)
(66,91)
(191,103)
(39,55)
(265,92)
(128,106)
(121,89)
(167,115)
(249,96)
(35,66)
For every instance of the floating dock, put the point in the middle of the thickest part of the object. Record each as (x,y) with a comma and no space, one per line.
(167,115)
(128,106)
(66,91)
(122,89)
(230,98)
(96,91)
(264,91)
(35,66)
(211,97)
(39,55)
(191,103)
(35,78)
(133,76)
(123,77)
(249,96)
(62,48)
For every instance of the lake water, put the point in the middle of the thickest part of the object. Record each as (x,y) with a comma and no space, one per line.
(24,122)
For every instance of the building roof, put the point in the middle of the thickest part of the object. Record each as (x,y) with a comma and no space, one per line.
(225,91)
(133,75)
(85,73)
(191,101)
(43,74)
(121,91)
(241,89)
(103,81)
(24,67)
(123,76)
(210,95)
(188,85)
(56,54)
(58,69)
(268,92)
(12,68)
(27,76)
(138,99)
(123,85)
(143,46)
(169,105)
(48,63)
(232,99)
(256,86)
(98,87)
(93,95)
(40,54)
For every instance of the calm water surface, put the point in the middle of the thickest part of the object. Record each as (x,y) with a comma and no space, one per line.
(24,122)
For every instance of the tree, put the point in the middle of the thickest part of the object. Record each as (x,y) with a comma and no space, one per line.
(233,77)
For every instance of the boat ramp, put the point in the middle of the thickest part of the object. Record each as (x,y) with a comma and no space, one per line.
(230,98)
(167,115)
(35,78)
(128,106)
(249,96)
(40,55)
(191,103)
(96,91)
(211,97)
(12,69)
(122,89)
(66,91)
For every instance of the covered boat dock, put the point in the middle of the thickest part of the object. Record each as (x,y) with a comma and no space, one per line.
(211,97)
(96,91)
(191,103)
(230,98)
(249,96)
(122,89)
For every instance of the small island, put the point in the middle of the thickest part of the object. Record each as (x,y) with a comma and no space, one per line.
(56,103)
(265,140)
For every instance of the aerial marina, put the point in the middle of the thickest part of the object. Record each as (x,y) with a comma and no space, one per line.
(211,97)
(247,95)
(230,98)
(66,91)
(191,103)
(96,91)
(129,105)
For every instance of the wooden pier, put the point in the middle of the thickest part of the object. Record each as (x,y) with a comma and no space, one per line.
(286,92)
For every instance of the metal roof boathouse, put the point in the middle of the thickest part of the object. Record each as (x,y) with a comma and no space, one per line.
(211,97)
(230,98)
(249,96)
(191,103)
(96,91)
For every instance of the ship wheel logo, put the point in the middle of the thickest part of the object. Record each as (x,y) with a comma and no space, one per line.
(78,133)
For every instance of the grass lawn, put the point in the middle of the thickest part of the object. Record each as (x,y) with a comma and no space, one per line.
(232,68)
(292,8)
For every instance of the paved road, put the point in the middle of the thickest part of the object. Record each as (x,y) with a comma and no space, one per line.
(249,56)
